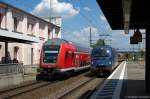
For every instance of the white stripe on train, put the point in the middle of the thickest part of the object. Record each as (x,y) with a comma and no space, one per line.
(75,68)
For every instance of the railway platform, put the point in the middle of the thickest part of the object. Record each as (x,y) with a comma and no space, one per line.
(126,82)
(14,75)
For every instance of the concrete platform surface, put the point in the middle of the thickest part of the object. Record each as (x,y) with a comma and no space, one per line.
(134,86)
(126,82)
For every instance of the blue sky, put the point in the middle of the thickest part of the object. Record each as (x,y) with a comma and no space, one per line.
(78,16)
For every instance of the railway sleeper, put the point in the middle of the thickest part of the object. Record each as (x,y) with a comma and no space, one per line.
(53,75)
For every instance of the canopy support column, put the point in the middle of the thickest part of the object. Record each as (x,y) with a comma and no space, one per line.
(147,65)
(6,52)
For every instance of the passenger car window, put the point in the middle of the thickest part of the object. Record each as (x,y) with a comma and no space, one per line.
(66,55)
(72,54)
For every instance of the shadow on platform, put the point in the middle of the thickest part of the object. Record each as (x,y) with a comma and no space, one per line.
(131,89)
(134,89)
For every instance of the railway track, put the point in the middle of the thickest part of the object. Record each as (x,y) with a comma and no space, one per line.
(70,90)
(9,93)
(84,90)
(50,90)
(81,90)
(74,87)
(27,88)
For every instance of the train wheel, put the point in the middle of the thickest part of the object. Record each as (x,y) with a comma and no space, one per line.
(93,73)
(50,77)
(64,75)
(108,73)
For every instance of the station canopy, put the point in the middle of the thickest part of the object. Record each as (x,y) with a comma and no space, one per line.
(132,13)
(17,37)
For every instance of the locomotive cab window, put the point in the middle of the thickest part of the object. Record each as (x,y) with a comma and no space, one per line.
(101,53)
(50,54)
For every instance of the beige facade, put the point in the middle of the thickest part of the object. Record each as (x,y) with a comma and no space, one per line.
(18,21)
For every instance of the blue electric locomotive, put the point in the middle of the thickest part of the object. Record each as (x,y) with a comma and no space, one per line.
(103,60)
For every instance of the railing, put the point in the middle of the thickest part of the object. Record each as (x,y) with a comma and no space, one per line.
(14,68)
(30,69)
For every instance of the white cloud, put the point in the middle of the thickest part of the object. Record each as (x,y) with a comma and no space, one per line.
(87,8)
(62,9)
(82,36)
(118,37)
(102,17)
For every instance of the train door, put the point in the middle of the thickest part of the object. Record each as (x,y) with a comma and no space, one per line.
(66,59)
(70,59)
(77,60)
(73,59)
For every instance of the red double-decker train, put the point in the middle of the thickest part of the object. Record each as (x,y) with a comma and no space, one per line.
(61,56)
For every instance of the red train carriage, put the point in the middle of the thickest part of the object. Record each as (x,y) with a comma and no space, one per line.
(58,55)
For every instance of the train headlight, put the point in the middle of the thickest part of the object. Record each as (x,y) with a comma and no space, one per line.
(108,51)
(109,63)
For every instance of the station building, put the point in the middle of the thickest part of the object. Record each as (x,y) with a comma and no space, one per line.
(22,35)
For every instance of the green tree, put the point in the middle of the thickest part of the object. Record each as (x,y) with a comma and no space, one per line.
(100,42)
(142,53)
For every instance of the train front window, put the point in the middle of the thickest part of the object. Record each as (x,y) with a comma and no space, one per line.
(50,54)
(101,53)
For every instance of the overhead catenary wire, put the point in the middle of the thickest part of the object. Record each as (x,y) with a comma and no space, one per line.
(93,19)
(90,21)
(97,22)
(92,16)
